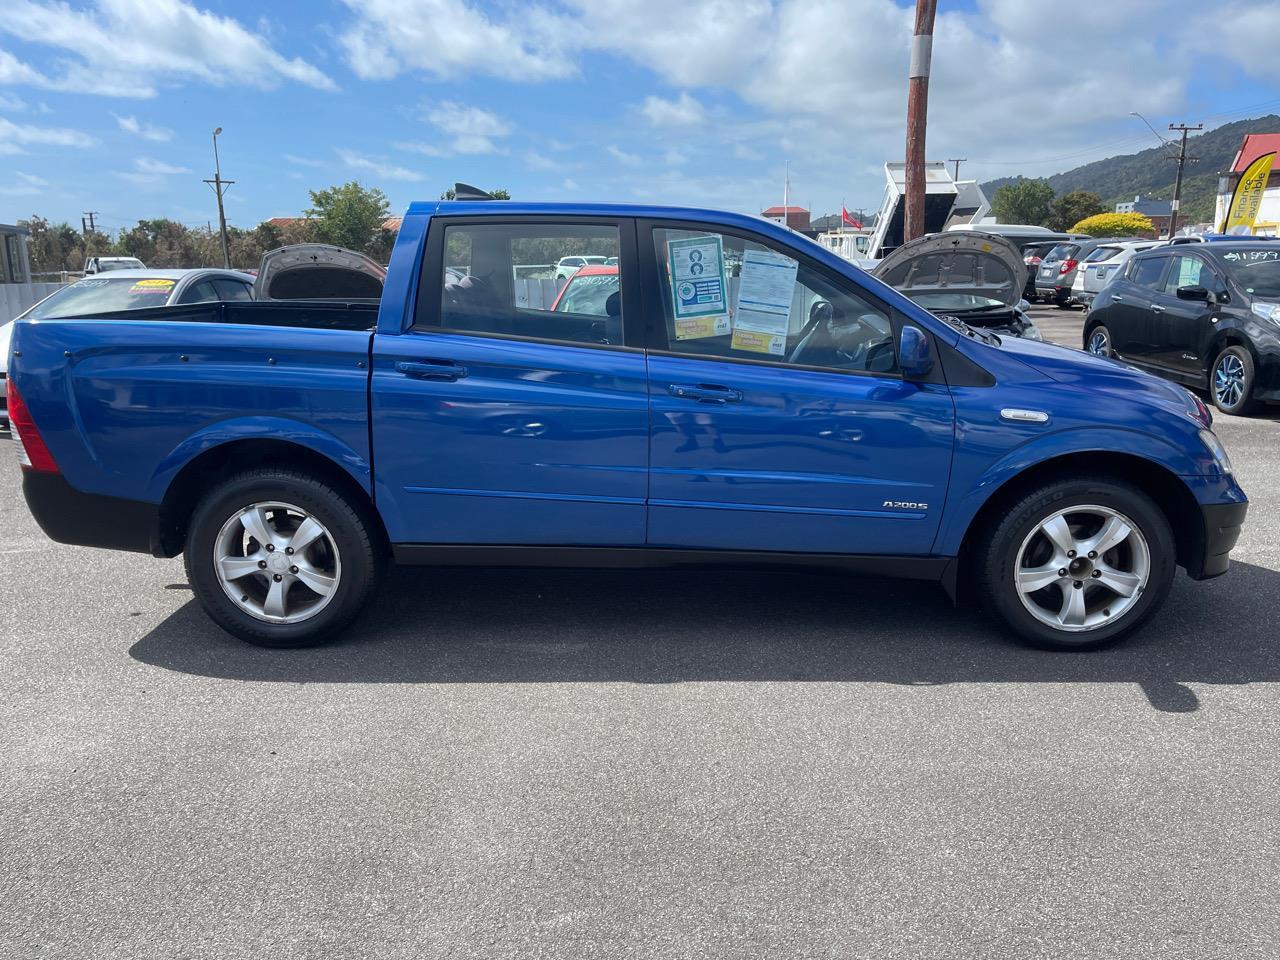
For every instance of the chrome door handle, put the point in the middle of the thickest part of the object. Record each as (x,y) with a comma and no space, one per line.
(1156,308)
(432,370)
(705,392)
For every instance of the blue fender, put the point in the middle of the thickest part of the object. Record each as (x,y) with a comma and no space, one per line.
(968,497)
(216,434)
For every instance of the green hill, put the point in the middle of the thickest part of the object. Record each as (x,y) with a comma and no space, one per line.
(1150,172)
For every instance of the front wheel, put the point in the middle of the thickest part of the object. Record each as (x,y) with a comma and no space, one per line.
(1078,563)
(280,559)
(1232,381)
(1099,341)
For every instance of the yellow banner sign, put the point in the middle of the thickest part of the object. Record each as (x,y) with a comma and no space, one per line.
(1247,198)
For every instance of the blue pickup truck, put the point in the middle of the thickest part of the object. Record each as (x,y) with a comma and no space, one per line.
(721,391)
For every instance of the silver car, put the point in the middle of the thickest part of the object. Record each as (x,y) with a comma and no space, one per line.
(1057,270)
(1103,265)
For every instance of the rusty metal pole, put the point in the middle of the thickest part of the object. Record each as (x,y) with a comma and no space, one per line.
(917,110)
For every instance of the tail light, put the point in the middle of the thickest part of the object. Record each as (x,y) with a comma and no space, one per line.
(32,452)
(1068,266)
(1032,261)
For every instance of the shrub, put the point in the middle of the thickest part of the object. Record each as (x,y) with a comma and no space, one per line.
(1115,225)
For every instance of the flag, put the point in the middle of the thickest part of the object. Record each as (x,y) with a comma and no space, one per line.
(1248,196)
(849,220)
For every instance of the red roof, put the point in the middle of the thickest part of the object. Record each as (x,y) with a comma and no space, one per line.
(1254,146)
(282,222)
(779,211)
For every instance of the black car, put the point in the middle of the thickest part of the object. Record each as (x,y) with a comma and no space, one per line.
(1206,315)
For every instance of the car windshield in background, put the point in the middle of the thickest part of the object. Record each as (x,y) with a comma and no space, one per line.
(588,294)
(104,295)
(106,265)
(1102,253)
(1063,251)
(1258,271)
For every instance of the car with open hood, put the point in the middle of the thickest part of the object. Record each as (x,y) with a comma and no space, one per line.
(976,276)
(318,271)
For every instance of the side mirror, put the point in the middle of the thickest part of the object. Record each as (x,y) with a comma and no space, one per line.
(1197,293)
(915,353)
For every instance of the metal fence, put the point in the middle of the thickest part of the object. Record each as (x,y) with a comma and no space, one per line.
(16,297)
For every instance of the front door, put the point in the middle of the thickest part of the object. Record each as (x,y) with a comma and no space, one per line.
(510,413)
(1187,322)
(779,420)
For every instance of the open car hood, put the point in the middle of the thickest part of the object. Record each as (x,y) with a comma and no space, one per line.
(318,271)
(942,270)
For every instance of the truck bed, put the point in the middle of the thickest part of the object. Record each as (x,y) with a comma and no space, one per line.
(314,314)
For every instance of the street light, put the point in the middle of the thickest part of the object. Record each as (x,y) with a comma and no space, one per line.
(219,187)
(1134,113)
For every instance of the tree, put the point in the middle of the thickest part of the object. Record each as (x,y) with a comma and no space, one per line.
(1114,225)
(1023,201)
(501,193)
(349,216)
(1073,207)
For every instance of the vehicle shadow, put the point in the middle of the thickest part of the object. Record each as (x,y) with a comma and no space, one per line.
(670,626)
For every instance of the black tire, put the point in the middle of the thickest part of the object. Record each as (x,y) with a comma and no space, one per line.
(1246,403)
(1093,334)
(1062,301)
(997,557)
(347,524)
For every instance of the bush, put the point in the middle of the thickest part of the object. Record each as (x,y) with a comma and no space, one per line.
(1115,225)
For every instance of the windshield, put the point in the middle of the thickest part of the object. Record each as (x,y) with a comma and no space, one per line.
(105,265)
(1258,271)
(1102,253)
(1063,251)
(588,294)
(103,295)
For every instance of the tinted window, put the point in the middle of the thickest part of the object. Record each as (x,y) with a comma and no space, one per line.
(1147,271)
(1187,272)
(1063,251)
(201,292)
(501,279)
(727,297)
(101,295)
(232,289)
(1102,253)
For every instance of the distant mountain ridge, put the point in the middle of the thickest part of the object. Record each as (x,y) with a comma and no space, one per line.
(1150,172)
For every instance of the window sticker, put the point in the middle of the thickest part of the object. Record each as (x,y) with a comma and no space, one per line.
(696,328)
(767,288)
(698,287)
(152,286)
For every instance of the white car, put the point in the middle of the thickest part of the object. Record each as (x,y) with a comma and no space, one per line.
(1103,265)
(566,267)
(126,290)
(104,264)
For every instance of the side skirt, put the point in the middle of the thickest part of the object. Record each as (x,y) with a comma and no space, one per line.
(937,569)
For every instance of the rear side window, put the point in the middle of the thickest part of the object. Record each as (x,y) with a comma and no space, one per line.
(1102,253)
(201,292)
(1147,271)
(510,280)
(232,289)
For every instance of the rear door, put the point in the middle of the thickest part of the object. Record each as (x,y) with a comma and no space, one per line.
(1135,333)
(497,420)
(779,419)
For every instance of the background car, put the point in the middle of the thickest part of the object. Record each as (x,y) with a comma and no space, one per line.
(567,266)
(105,264)
(1058,268)
(588,291)
(126,289)
(1206,315)
(1103,265)
(1032,255)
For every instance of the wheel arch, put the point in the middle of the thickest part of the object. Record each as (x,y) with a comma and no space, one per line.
(1166,488)
(208,468)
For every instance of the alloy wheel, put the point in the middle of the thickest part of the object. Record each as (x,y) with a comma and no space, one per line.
(277,563)
(1099,343)
(1228,380)
(1082,568)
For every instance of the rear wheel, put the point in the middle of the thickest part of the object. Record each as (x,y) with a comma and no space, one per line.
(1077,564)
(280,559)
(1099,341)
(1231,382)
(1062,300)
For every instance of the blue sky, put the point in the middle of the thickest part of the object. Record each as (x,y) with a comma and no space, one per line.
(109,105)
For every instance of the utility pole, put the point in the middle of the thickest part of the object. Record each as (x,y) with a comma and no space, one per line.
(1182,160)
(220,187)
(917,109)
(956,175)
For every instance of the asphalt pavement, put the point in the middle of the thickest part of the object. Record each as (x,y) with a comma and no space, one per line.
(524,764)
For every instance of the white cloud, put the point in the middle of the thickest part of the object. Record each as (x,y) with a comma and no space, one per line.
(12,104)
(471,129)
(624,158)
(146,131)
(302,161)
(377,166)
(684,111)
(536,161)
(14,137)
(149,172)
(127,48)
(148,165)
(447,38)
(570,184)
(28,185)
(416,146)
